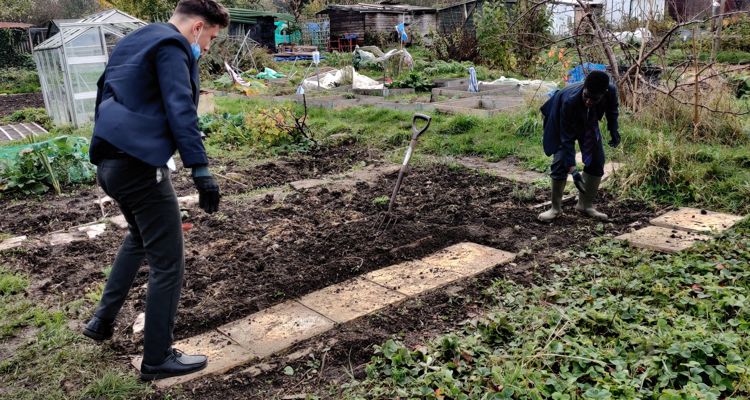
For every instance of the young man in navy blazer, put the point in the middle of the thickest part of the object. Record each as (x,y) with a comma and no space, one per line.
(573,114)
(146,108)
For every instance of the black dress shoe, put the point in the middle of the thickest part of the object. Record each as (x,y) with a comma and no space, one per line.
(99,329)
(175,364)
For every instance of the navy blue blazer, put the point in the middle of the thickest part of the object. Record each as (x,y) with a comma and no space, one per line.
(147,98)
(565,118)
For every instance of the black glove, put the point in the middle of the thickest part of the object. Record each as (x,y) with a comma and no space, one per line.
(615,140)
(208,193)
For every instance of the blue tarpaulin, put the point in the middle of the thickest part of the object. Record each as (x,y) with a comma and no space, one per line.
(578,73)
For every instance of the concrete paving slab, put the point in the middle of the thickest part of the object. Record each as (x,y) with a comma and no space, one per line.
(351,299)
(119,221)
(93,231)
(59,238)
(662,239)
(468,258)
(413,277)
(372,173)
(188,201)
(223,355)
(276,328)
(696,220)
(306,184)
(11,243)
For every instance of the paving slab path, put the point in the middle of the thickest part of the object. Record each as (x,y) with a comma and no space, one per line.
(279,327)
(680,229)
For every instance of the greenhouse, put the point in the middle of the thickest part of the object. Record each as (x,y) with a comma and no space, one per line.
(71,62)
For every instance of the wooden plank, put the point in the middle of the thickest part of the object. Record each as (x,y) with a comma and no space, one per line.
(5,133)
(40,128)
(27,128)
(17,131)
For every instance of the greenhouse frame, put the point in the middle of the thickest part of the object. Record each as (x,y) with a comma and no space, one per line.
(70,63)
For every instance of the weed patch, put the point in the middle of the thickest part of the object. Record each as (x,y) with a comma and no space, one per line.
(612,323)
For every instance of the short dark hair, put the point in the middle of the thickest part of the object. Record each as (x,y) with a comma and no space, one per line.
(597,82)
(210,10)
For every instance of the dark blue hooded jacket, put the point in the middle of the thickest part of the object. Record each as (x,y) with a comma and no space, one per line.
(147,99)
(565,119)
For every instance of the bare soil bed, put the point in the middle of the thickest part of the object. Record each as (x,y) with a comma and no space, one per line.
(261,250)
(13,102)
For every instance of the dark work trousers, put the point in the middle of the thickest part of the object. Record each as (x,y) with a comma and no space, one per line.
(149,204)
(594,168)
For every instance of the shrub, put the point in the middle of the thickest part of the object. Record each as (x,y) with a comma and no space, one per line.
(10,56)
(30,115)
(736,34)
(458,45)
(18,80)
(275,129)
(459,124)
(414,80)
(492,35)
(54,163)
(733,57)
(675,114)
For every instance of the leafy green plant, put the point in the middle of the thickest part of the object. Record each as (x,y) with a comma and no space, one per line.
(30,115)
(416,80)
(380,201)
(54,163)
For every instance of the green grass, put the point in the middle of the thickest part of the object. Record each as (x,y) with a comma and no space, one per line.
(11,283)
(51,361)
(610,323)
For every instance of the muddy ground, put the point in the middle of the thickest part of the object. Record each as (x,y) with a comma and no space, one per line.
(78,205)
(262,249)
(13,102)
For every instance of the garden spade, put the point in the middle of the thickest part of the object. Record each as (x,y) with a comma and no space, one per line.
(388,220)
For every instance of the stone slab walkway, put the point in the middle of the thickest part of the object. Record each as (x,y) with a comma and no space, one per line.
(20,131)
(279,327)
(680,229)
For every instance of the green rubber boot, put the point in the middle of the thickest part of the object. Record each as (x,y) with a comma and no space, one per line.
(558,187)
(585,201)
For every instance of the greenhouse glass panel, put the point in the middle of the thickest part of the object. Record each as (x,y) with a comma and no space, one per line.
(82,41)
(84,77)
(72,61)
(84,110)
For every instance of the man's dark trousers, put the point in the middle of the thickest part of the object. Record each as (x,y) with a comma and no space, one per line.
(595,167)
(149,204)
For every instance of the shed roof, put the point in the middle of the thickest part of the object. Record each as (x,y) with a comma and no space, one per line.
(378,8)
(243,15)
(14,25)
(114,21)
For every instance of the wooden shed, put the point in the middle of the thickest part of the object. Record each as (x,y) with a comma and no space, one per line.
(257,25)
(353,21)
(686,10)
(458,16)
